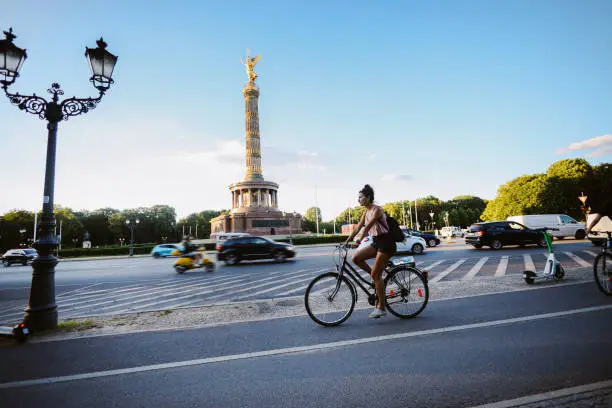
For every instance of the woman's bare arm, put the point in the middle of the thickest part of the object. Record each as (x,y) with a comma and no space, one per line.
(356,230)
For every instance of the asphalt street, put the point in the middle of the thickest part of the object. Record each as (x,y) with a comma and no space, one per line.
(458,353)
(120,285)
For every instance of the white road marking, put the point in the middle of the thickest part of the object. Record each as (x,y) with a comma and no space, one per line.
(547,396)
(433,265)
(586,251)
(447,271)
(476,268)
(529,265)
(251,286)
(309,278)
(298,349)
(502,267)
(577,259)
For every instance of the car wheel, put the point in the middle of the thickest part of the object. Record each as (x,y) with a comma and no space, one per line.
(25,263)
(580,234)
(431,243)
(542,242)
(156,255)
(231,259)
(417,249)
(279,256)
(496,244)
(6,264)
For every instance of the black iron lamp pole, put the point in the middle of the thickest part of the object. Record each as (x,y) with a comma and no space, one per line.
(132,224)
(41,312)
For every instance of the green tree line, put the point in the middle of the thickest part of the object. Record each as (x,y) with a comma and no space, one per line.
(553,192)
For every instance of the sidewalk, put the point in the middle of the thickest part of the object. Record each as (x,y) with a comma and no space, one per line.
(596,395)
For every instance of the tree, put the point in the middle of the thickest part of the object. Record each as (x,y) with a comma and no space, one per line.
(313,214)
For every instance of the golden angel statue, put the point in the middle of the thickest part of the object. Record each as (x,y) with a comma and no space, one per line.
(250,63)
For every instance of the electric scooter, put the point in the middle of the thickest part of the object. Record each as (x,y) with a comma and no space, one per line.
(553,269)
(19,332)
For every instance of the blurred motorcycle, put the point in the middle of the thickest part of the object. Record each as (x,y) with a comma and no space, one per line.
(187,261)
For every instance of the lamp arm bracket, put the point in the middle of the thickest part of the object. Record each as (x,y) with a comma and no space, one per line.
(30,103)
(75,106)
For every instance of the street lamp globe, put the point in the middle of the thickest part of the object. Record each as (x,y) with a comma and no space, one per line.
(11,58)
(102,64)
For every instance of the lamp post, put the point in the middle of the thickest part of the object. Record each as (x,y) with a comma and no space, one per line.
(431,214)
(132,224)
(583,199)
(41,312)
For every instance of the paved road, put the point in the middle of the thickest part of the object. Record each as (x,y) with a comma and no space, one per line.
(86,288)
(458,353)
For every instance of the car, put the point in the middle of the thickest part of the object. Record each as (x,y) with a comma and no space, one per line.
(496,234)
(234,250)
(411,244)
(451,232)
(164,250)
(430,239)
(19,256)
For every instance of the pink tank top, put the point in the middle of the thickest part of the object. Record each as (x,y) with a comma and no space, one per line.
(380,227)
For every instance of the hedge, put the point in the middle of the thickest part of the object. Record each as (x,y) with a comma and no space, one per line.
(140,249)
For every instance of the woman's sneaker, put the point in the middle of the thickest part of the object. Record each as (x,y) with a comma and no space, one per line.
(377,313)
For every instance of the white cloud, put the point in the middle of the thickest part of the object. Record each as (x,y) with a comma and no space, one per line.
(397,177)
(602,146)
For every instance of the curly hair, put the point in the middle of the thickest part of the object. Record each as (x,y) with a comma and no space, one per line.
(368,191)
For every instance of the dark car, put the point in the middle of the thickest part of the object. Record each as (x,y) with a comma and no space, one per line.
(430,239)
(18,256)
(234,250)
(496,234)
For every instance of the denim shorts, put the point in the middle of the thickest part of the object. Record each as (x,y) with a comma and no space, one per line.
(384,243)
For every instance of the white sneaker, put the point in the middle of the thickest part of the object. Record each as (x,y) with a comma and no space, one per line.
(377,313)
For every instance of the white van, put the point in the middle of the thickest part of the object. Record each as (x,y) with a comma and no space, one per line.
(565,225)
(222,236)
(452,232)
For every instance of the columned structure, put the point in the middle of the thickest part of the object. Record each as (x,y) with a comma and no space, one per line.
(254,200)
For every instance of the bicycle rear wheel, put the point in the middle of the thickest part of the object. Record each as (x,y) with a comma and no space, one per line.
(330,299)
(602,269)
(406,292)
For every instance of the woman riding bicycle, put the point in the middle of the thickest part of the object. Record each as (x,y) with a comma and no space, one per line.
(374,224)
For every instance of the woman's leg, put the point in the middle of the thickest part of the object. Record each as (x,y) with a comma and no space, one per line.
(380,263)
(360,257)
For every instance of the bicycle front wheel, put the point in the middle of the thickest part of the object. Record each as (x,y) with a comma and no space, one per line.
(602,269)
(330,299)
(406,292)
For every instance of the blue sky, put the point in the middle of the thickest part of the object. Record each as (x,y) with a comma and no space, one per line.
(413,97)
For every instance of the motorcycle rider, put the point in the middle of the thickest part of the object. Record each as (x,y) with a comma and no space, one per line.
(190,248)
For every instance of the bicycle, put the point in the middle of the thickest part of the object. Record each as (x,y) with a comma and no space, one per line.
(330,298)
(603,276)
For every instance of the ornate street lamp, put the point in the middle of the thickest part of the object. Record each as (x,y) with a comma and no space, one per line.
(41,312)
(132,224)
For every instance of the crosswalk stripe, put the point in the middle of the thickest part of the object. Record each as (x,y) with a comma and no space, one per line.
(130,298)
(529,265)
(433,265)
(447,271)
(250,286)
(475,269)
(586,251)
(190,294)
(502,266)
(278,287)
(578,259)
